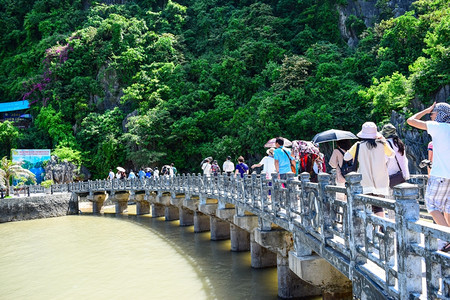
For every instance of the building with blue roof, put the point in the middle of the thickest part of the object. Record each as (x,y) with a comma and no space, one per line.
(16,113)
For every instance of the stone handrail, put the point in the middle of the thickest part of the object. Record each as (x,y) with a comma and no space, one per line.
(335,222)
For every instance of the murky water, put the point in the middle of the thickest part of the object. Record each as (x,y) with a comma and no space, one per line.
(118,257)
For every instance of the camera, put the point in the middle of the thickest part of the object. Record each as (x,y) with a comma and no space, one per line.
(425,163)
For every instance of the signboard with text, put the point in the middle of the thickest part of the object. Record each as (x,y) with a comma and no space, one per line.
(32,159)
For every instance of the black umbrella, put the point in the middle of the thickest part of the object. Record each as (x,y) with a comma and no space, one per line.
(333,135)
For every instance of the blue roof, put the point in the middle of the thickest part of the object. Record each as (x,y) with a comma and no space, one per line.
(13,106)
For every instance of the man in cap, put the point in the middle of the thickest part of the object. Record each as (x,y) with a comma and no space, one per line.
(437,195)
(228,166)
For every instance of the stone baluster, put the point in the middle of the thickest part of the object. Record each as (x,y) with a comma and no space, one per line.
(325,206)
(304,178)
(409,264)
(275,193)
(357,237)
(262,185)
(290,195)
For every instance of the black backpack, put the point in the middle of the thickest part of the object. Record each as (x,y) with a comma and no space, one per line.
(349,165)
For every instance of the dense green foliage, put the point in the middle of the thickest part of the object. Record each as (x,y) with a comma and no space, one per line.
(153,82)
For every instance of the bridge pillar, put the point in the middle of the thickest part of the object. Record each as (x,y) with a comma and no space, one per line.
(260,256)
(158,210)
(186,216)
(201,222)
(220,230)
(121,201)
(191,202)
(97,202)
(240,232)
(172,213)
(163,198)
(240,239)
(142,205)
(289,284)
(317,271)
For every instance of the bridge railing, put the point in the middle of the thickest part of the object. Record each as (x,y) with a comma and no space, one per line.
(337,221)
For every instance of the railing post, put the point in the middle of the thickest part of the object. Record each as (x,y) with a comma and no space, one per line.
(409,264)
(356,225)
(305,179)
(325,205)
(275,191)
(290,195)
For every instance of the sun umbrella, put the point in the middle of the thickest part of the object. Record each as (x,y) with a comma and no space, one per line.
(271,143)
(303,147)
(333,135)
(120,169)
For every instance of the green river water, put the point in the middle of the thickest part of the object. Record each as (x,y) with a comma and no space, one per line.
(123,257)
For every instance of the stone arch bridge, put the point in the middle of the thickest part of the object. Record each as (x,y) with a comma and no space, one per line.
(324,239)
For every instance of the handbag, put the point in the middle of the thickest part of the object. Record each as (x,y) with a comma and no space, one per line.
(290,163)
(396,178)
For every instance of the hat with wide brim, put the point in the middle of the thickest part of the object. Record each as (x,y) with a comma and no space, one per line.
(369,131)
(270,151)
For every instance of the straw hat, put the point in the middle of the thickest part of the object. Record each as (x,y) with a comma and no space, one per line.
(270,151)
(369,131)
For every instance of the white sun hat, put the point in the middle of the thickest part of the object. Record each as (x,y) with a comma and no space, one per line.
(369,131)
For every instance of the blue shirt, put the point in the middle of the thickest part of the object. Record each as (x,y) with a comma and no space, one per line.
(141,174)
(242,168)
(283,160)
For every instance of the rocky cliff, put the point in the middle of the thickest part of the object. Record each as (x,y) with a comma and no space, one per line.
(369,12)
(64,171)
(37,207)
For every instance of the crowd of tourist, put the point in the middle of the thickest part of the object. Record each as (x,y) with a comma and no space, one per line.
(380,157)
(144,172)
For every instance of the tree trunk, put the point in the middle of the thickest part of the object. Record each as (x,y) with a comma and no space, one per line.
(7,185)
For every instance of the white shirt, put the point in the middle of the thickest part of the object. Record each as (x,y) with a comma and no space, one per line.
(228,166)
(156,173)
(206,167)
(111,175)
(440,133)
(268,166)
(402,161)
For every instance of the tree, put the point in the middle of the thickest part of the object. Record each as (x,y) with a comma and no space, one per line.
(8,137)
(9,169)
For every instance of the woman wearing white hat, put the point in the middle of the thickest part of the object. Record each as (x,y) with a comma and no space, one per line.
(268,164)
(372,158)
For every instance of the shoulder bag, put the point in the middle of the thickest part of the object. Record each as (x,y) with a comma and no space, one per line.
(290,162)
(396,178)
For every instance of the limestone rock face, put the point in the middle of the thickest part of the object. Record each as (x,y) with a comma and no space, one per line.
(64,171)
(369,11)
(109,80)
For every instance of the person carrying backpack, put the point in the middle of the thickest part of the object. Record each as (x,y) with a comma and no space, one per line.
(241,167)
(337,161)
(215,169)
